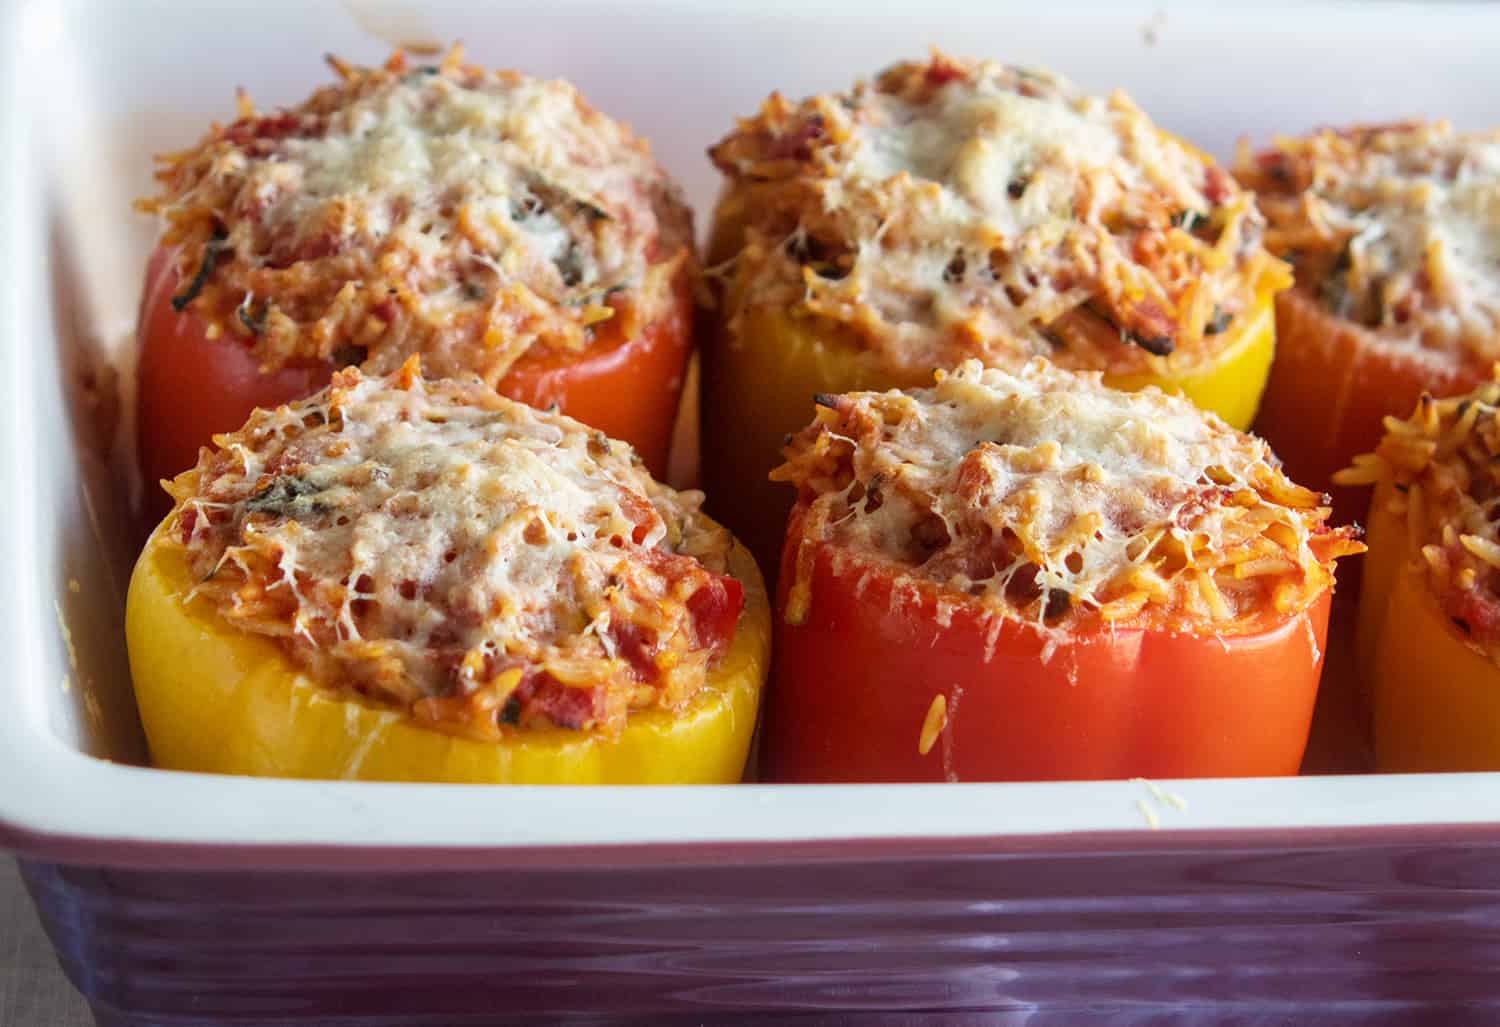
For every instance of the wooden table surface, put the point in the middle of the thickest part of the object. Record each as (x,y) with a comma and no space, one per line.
(33,990)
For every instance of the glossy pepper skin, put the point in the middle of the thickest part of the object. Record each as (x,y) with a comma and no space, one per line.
(220,700)
(1330,389)
(1434,695)
(192,387)
(853,684)
(758,385)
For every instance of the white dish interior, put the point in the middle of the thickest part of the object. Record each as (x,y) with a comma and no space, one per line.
(90,92)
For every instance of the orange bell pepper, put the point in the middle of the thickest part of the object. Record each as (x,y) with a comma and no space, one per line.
(1434,694)
(1428,637)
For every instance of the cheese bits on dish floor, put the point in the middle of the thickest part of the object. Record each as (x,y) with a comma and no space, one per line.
(1394,233)
(1429,616)
(495,224)
(414,580)
(1095,584)
(949,210)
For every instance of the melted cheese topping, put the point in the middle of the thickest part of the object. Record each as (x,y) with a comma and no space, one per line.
(962,209)
(461,214)
(1444,465)
(1393,227)
(1042,494)
(440,549)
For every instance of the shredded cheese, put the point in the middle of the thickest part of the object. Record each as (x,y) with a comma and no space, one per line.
(955,209)
(459,556)
(933,723)
(1392,227)
(461,214)
(1043,495)
(1161,795)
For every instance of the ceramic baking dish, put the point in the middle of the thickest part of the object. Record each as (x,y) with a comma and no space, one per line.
(192,899)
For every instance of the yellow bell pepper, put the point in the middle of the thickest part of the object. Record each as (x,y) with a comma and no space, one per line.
(216,699)
(758,385)
(1231,383)
(1435,695)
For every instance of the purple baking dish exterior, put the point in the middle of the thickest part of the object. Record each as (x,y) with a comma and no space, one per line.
(177,899)
(1308,928)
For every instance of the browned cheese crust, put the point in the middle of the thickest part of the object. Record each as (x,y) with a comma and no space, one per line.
(1043,495)
(953,209)
(438,549)
(465,215)
(1394,231)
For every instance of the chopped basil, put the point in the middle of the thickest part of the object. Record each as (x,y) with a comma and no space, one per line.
(1058,602)
(510,712)
(570,265)
(593,210)
(1160,345)
(254,321)
(286,496)
(211,250)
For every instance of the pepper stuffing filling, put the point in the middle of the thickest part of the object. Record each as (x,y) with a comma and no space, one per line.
(955,209)
(458,213)
(1045,496)
(1443,463)
(1392,227)
(443,551)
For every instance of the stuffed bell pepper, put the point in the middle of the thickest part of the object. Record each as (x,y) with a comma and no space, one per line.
(495,224)
(1394,234)
(1029,575)
(951,210)
(1429,610)
(408,580)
